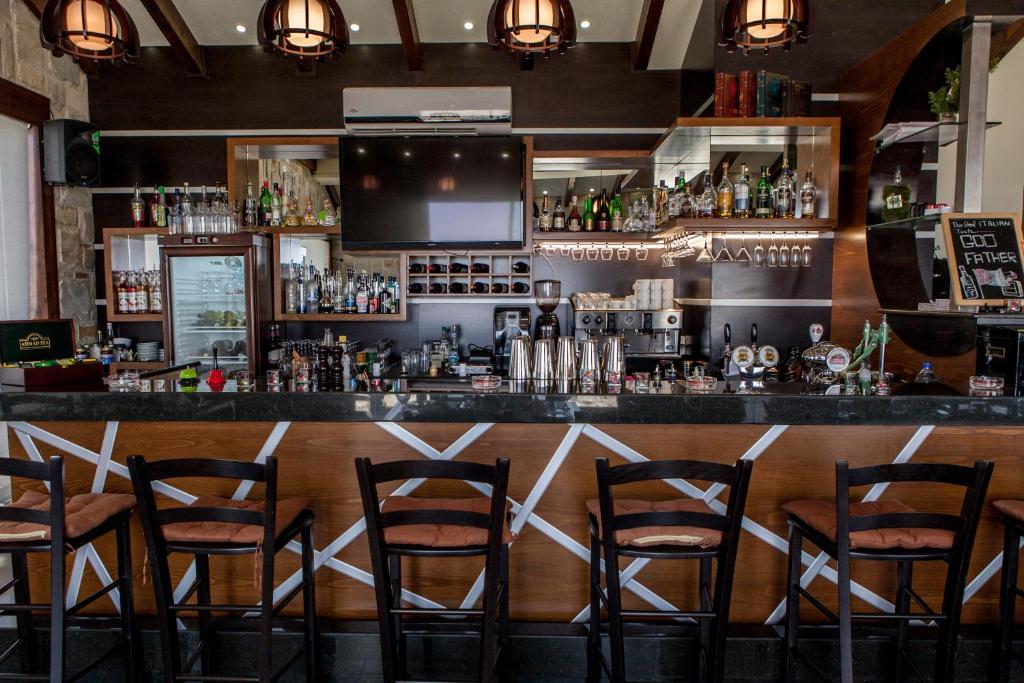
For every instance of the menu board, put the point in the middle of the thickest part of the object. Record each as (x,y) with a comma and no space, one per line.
(984,253)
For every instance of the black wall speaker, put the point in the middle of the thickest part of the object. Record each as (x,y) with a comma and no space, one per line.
(71,153)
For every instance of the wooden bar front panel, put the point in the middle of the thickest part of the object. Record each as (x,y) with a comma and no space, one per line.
(549,581)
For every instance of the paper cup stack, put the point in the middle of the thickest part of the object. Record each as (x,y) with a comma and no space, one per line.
(654,295)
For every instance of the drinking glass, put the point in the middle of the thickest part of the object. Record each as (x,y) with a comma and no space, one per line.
(244,379)
(592,253)
(773,255)
(606,253)
(577,253)
(622,254)
(273,378)
(758,255)
(564,250)
(743,255)
(667,261)
(784,255)
(302,374)
(641,253)
(643,381)
(723,253)
(805,256)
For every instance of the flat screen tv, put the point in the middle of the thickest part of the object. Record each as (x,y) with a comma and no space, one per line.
(432,193)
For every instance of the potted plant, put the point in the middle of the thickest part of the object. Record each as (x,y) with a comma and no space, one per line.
(945,102)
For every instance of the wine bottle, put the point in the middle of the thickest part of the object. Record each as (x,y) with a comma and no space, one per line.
(588,214)
(499,288)
(437,268)
(763,205)
(520,288)
(457,288)
(458,268)
(604,214)
(558,218)
(520,267)
(417,268)
(726,193)
(438,288)
(415,288)
(480,268)
(575,222)
(480,288)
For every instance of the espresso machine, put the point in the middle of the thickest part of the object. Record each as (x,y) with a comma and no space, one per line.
(652,334)
(509,322)
(548,293)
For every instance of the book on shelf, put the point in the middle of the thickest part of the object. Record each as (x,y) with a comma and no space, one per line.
(726,94)
(764,94)
(747,101)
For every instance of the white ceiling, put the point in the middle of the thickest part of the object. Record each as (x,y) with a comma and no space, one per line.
(439,21)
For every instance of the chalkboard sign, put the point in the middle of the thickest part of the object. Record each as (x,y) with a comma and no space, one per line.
(986,266)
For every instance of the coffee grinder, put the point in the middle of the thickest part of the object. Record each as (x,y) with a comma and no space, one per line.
(549,293)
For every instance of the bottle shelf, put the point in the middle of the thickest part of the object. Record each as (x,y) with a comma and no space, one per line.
(565,236)
(341,317)
(135,317)
(499,272)
(679,226)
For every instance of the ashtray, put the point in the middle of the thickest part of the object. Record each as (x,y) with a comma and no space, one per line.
(486,382)
(701,384)
(985,383)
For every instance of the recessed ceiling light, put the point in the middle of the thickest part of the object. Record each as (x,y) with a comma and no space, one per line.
(591,189)
(407,153)
(354,27)
(362,150)
(468,26)
(504,155)
(240,28)
(456,155)
(545,191)
(585,23)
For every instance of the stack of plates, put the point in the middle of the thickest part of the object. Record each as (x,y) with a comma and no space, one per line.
(149,351)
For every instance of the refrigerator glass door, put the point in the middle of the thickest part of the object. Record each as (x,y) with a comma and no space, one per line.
(208,310)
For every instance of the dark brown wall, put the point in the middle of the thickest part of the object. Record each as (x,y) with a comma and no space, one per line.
(592,86)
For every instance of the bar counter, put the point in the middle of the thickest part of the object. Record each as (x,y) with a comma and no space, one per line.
(795,436)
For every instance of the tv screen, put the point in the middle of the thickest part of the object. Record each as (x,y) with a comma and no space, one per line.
(432,193)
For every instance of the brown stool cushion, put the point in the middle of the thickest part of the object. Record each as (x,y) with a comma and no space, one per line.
(82,514)
(227,532)
(820,515)
(661,535)
(1011,508)
(439,535)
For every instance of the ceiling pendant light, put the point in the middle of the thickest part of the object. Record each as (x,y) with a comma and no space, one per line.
(764,24)
(532,26)
(99,30)
(307,29)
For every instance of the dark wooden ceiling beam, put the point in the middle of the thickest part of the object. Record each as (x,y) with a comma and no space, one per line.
(170,22)
(410,34)
(1007,39)
(646,32)
(36,6)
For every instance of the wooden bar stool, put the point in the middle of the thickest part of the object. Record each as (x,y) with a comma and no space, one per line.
(892,531)
(41,523)
(1013,522)
(438,527)
(683,529)
(221,526)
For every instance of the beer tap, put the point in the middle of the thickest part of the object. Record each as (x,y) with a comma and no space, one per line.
(728,368)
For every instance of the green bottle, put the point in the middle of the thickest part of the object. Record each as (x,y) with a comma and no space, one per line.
(763,204)
(617,213)
(588,214)
(265,205)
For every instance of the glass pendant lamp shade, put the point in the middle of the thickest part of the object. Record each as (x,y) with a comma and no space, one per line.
(302,28)
(764,24)
(98,30)
(531,26)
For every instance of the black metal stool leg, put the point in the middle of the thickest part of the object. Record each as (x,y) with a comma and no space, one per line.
(594,636)
(312,634)
(203,618)
(22,595)
(616,635)
(904,581)
(129,628)
(792,602)
(1002,658)
(58,611)
(704,663)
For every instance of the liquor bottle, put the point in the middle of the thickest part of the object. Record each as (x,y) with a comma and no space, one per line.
(249,219)
(362,296)
(588,213)
(415,288)
(808,197)
(174,218)
(437,268)
(291,290)
(480,268)
(384,303)
(726,193)
(130,306)
(308,217)
(520,267)
(328,216)
(546,218)
(313,293)
(156,293)
(300,289)
(153,208)
(141,293)
(480,288)
(741,192)
(396,298)
(536,216)
(161,208)
(266,205)
(499,288)
(291,217)
(707,204)
(763,207)
(520,288)
(276,208)
(604,214)
(350,291)
(687,203)
(437,288)
(138,209)
(558,217)
(575,222)
(675,197)
(122,292)
(616,211)
(785,193)
(457,288)
(896,199)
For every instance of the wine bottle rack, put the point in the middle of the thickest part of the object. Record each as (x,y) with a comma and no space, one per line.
(500,271)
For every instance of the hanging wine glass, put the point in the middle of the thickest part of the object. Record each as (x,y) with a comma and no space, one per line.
(758,254)
(773,255)
(743,256)
(705,253)
(805,256)
(784,254)
(723,253)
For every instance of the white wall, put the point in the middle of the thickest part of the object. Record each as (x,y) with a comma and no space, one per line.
(1004,160)
(14,227)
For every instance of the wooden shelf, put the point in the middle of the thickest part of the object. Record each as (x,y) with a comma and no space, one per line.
(341,317)
(303,230)
(679,226)
(138,365)
(563,236)
(134,317)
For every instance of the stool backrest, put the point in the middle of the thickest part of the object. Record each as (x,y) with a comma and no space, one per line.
(147,476)
(736,477)
(493,476)
(51,473)
(974,481)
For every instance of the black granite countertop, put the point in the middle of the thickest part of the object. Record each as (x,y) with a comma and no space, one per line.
(452,401)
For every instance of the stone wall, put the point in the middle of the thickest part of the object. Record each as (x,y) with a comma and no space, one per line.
(25,62)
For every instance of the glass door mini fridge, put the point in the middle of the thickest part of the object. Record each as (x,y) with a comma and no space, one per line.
(217,291)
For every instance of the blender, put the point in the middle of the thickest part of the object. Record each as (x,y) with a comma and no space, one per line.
(549,293)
